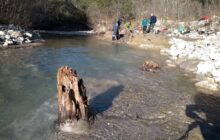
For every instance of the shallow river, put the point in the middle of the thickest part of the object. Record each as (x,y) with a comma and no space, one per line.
(128,104)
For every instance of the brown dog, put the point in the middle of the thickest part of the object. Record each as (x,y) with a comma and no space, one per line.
(150,66)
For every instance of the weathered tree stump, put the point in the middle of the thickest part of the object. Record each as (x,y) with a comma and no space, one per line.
(150,66)
(72,99)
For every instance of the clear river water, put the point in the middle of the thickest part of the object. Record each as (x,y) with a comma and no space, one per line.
(128,104)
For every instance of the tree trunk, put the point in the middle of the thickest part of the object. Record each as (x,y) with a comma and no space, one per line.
(72,99)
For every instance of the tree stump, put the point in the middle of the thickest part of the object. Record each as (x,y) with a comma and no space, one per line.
(72,99)
(150,66)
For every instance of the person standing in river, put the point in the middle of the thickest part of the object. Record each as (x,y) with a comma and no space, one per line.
(116,28)
(153,21)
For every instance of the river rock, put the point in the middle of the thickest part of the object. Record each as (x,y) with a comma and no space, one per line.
(28,34)
(7,36)
(189,65)
(5,44)
(9,32)
(205,67)
(2,33)
(20,40)
(208,84)
(216,75)
(205,49)
(27,40)
(16,34)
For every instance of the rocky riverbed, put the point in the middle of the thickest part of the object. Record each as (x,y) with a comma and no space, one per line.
(201,57)
(14,37)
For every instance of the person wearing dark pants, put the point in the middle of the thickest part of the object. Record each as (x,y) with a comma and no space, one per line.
(144,23)
(153,20)
(116,27)
(115,35)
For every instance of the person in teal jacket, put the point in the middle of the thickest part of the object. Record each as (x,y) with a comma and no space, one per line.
(144,24)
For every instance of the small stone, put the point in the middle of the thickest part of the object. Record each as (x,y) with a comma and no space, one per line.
(5,44)
(27,40)
(7,36)
(2,33)
(161,116)
(16,34)
(171,65)
(28,34)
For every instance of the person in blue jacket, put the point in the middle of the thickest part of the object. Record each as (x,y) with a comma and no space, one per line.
(144,24)
(153,21)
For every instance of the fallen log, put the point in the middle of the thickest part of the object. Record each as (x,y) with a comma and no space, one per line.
(72,99)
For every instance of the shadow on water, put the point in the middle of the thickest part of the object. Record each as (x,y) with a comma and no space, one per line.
(206,115)
(104,101)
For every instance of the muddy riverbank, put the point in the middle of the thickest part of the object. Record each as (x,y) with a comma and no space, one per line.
(145,41)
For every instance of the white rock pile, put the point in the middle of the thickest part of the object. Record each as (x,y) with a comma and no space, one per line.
(13,35)
(197,29)
(206,51)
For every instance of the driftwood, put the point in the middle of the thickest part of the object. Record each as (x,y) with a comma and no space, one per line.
(72,99)
(150,66)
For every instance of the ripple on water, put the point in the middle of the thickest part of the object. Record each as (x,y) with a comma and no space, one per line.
(75,127)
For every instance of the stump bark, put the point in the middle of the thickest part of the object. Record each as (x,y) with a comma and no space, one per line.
(72,99)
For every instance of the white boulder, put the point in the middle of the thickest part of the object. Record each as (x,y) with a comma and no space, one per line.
(2,33)
(10,42)
(28,34)
(205,67)
(7,36)
(216,74)
(209,85)
(5,44)
(16,34)
(27,40)
(20,40)
(10,32)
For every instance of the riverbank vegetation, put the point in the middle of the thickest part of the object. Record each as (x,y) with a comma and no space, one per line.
(43,14)
(82,14)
